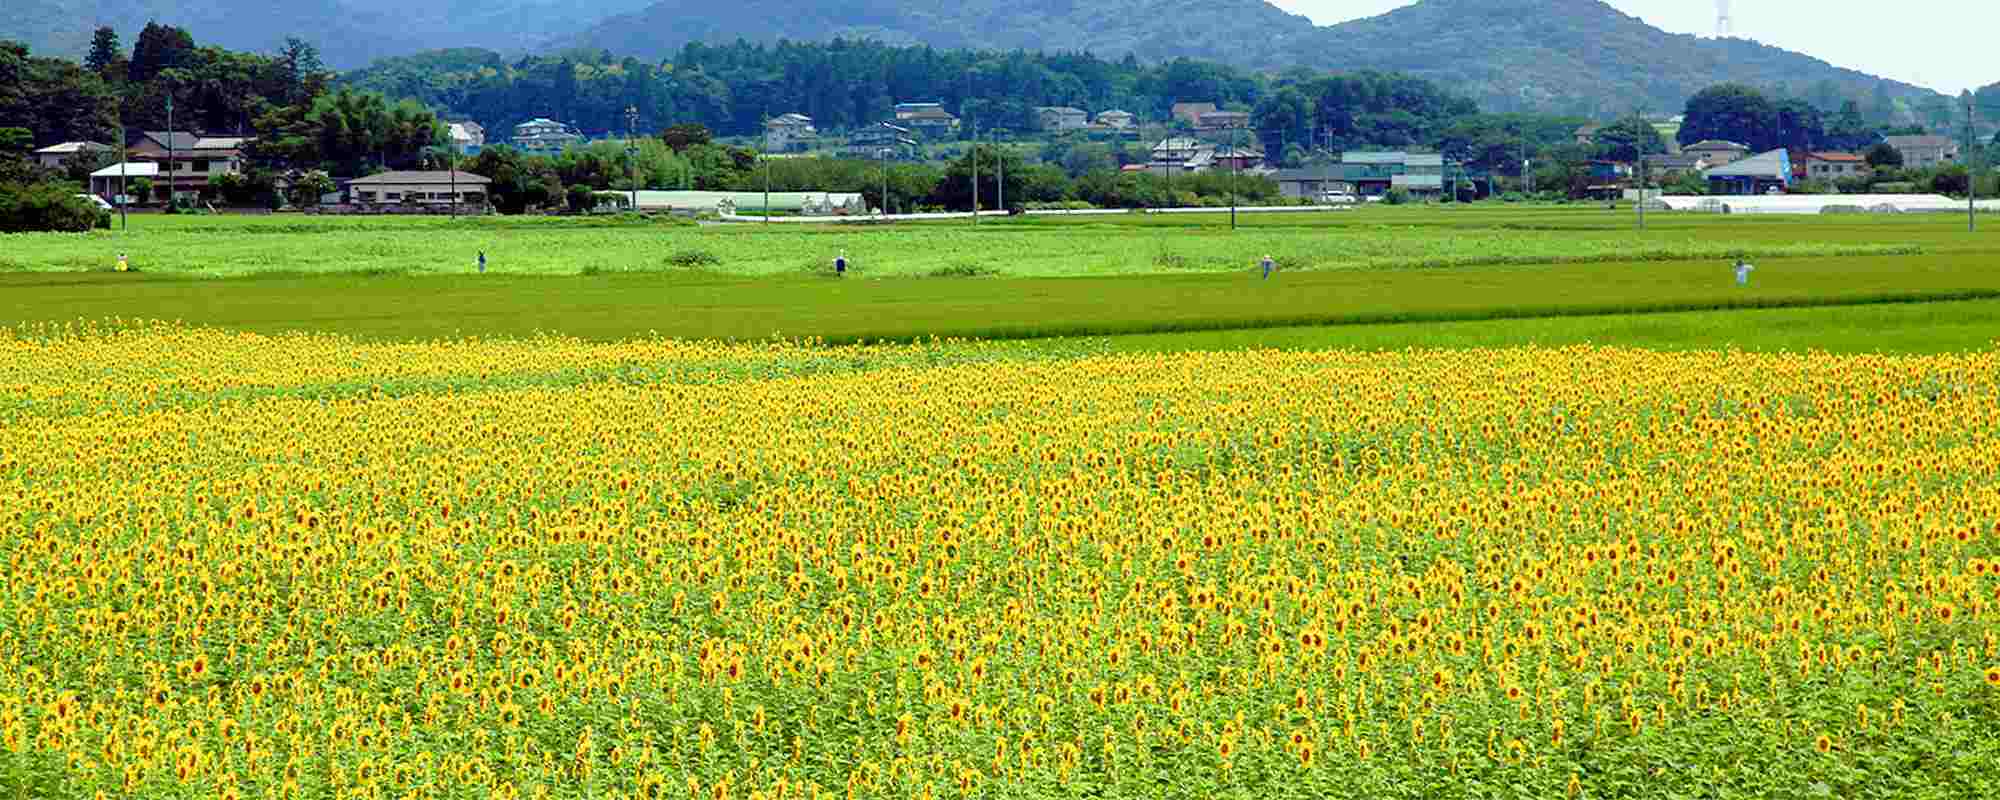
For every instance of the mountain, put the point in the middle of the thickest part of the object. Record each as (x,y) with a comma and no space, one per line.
(349,33)
(1154,30)
(1564,56)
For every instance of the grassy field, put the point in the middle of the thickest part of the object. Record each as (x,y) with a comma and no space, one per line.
(1368,273)
(1094,247)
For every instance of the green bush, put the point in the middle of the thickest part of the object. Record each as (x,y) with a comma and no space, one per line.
(47,206)
(693,259)
(1396,197)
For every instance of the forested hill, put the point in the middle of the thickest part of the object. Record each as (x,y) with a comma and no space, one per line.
(1154,30)
(1568,56)
(348,33)
(1579,56)
(1560,56)
(842,85)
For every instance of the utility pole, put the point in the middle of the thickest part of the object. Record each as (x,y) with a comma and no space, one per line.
(632,158)
(1971,173)
(170,144)
(975,174)
(1235,161)
(883,154)
(1000,165)
(124,224)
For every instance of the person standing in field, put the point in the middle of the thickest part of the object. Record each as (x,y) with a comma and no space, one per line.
(840,265)
(1743,271)
(482,262)
(1269,266)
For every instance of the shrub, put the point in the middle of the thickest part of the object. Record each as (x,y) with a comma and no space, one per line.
(693,259)
(47,206)
(1396,197)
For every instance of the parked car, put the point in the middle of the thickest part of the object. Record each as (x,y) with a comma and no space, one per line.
(1338,199)
(98,201)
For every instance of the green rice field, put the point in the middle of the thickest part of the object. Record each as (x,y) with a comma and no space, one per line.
(1376,277)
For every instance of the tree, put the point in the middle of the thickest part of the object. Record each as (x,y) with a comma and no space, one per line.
(520,181)
(955,191)
(1849,130)
(105,50)
(46,206)
(1629,139)
(78,166)
(160,48)
(299,69)
(308,188)
(685,135)
(1798,125)
(1731,112)
(1882,155)
(16,142)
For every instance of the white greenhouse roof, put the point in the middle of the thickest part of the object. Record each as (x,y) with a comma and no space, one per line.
(1813,203)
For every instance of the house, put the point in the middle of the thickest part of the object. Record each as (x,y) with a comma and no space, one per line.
(1176,150)
(435,187)
(930,123)
(1662,167)
(1190,113)
(187,160)
(112,181)
(789,133)
(1834,166)
(1228,158)
(53,156)
(1373,174)
(1924,152)
(1061,119)
(870,142)
(544,136)
(1764,173)
(1222,121)
(1717,151)
(1311,183)
(909,111)
(467,138)
(1116,119)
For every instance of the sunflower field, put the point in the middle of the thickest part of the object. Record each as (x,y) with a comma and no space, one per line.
(301,566)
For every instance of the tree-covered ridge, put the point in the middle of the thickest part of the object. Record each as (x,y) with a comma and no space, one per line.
(1563,56)
(350,33)
(841,84)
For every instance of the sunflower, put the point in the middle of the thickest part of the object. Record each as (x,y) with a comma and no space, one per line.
(1823,743)
(1993,677)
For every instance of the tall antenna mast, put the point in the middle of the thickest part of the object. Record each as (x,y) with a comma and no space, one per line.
(1722,20)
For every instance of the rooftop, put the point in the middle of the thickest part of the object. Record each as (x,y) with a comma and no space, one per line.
(1900,142)
(426,177)
(1773,163)
(1717,144)
(71,147)
(129,169)
(1845,157)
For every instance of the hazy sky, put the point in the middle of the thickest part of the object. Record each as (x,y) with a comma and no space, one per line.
(1941,44)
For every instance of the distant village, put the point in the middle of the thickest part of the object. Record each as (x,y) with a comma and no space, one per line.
(1196,138)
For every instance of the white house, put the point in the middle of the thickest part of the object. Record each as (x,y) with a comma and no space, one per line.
(1059,119)
(53,156)
(789,133)
(114,180)
(434,187)
(467,138)
(545,136)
